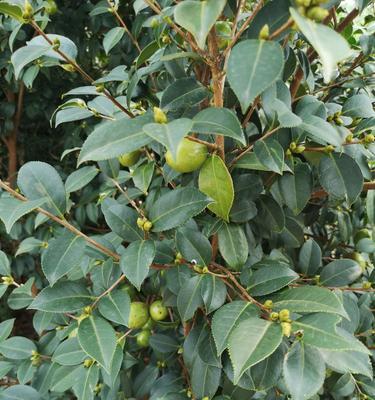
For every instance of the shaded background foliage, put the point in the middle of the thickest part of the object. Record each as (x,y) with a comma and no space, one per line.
(269,288)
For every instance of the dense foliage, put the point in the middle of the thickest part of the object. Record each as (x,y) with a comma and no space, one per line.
(199,222)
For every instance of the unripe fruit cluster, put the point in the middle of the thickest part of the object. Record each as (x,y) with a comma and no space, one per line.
(312,10)
(144,224)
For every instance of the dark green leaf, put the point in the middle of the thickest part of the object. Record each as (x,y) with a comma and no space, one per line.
(233,245)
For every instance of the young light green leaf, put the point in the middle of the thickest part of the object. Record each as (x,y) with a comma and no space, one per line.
(171,134)
(98,339)
(198,17)
(233,245)
(253,66)
(216,182)
(227,318)
(308,299)
(176,207)
(219,121)
(80,178)
(111,139)
(38,180)
(330,45)
(136,260)
(62,298)
(304,371)
(112,37)
(62,256)
(252,341)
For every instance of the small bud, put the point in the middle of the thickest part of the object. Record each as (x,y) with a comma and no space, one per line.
(141,222)
(264,33)
(366,285)
(349,138)
(87,310)
(268,304)
(154,23)
(180,350)
(159,116)
(68,67)
(293,146)
(284,315)
(299,43)
(56,44)
(88,362)
(339,121)
(28,7)
(198,269)
(168,20)
(205,270)
(370,138)
(98,388)
(274,316)
(166,39)
(286,328)
(288,153)
(147,226)
(7,280)
(329,149)
(317,14)
(299,149)
(100,88)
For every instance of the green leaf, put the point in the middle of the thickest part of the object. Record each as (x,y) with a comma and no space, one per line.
(343,362)
(17,348)
(272,214)
(122,220)
(4,264)
(25,55)
(320,131)
(183,94)
(136,261)
(176,207)
(64,378)
(253,66)
(270,279)
(115,306)
(233,245)
(171,134)
(112,37)
(11,10)
(193,245)
(340,273)
(227,318)
(216,182)
(11,210)
(330,45)
(358,106)
(309,299)
(213,292)
(38,180)
(198,17)
(304,371)
(205,379)
(164,343)
(111,139)
(252,341)
(270,154)
(80,178)
(98,339)
(319,330)
(310,257)
(189,297)
(21,296)
(62,298)
(20,392)
(62,256)
(296,188)
(86,381)
(219,121)
(6,328)
(142,176)
(69,352)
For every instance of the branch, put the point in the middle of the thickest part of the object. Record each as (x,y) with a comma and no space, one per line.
(318,194)
(78,68)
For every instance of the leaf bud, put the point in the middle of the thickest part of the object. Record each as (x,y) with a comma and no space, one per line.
(147,226)
(7,280)
(349,138)
(159,116)
(56,44)
(88,362)
(293,146)
(370,138)
(366,285)
(274,316)
(299,149)
(284,315)
(141,222)
(286,328)
(329,149)
(68,67)
(264,32)
(268,304)
(100,88)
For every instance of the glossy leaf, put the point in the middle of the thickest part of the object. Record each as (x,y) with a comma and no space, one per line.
(340,273)
(189,298)
(233,245)
(80,178)
(193,245)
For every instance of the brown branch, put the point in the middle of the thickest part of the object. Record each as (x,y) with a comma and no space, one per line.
(282,28)
(318,194)
(212,146)
(78,68)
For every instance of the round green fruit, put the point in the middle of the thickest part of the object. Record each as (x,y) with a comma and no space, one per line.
(51,7)
(158,311)
(143,338)
(362,234)
(129,159)
(190,156)
(138,315)
(224,34)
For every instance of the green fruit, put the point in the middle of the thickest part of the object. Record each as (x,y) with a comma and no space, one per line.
(362,234)
(51,8)
(158,311)
(129,159)
(138,315)
(224,34)
(143,338)
(190,156)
